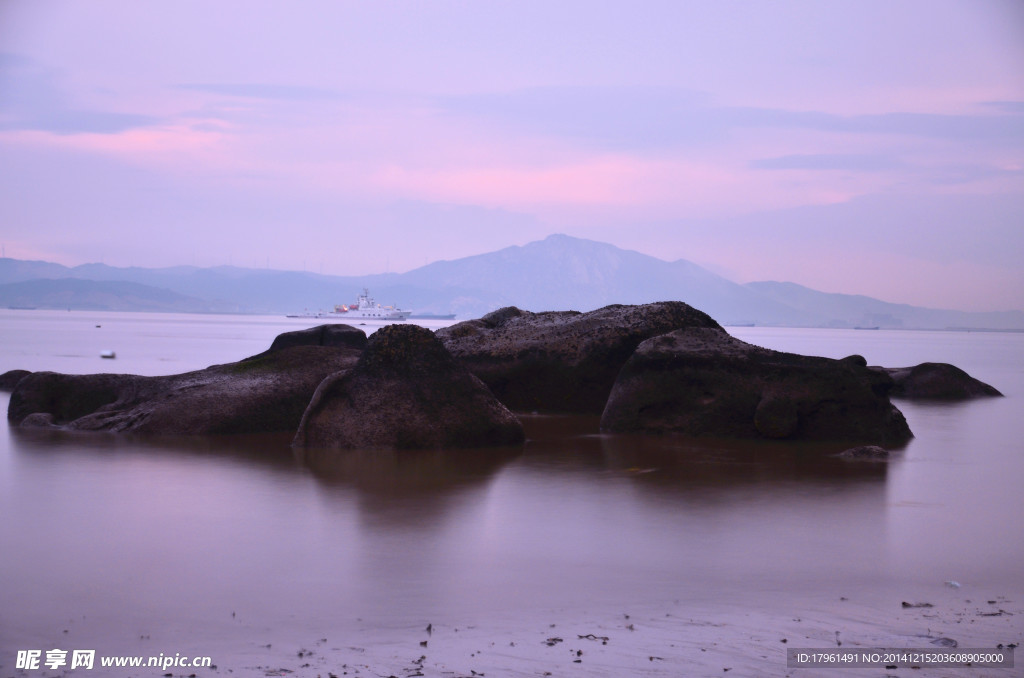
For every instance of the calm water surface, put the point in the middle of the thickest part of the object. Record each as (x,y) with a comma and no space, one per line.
(203,542)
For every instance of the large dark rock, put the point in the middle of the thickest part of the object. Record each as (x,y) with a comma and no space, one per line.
(564,361)
(265,393)
(10,379)
(406,391)
(344,336)
(703,382)
(938,381)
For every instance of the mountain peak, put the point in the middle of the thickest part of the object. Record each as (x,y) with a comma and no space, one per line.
(563,240)
(560,242)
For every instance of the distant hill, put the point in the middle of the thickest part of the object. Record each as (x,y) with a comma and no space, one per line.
(97,295)
(849,310)
(557,273)
(235,290)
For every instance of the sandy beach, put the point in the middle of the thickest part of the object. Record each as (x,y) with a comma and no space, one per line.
(673,639)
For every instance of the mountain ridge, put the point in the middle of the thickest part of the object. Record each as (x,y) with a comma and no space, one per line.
(865,311)
(559,272)
(102,295)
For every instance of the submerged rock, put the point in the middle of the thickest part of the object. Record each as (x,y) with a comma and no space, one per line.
(406,391)
(561,361)
(938,381)
(866,453)
(703,382)
(264,393)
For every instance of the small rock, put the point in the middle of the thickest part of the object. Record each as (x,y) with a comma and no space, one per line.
(39,420)
(866,453)
(936,381)
(945,642)
(10,379)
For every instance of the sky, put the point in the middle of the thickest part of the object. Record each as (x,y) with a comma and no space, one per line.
(865,147)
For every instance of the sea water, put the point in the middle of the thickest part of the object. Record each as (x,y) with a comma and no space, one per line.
(229,545)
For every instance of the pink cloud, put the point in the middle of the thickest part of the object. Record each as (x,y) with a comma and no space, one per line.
(402,150)
(616,183)
(179,147)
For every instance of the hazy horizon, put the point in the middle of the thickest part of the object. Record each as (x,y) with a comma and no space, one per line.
(866,148)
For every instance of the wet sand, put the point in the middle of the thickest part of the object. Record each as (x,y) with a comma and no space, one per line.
(674,639)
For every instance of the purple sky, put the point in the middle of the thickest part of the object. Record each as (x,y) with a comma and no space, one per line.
(868,147)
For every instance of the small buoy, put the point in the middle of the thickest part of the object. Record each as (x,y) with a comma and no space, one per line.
(108,354)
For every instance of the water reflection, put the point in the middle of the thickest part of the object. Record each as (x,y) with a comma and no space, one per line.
(687,464)
(266,449)
(714,465)
(570,517)
(406,487)
(418,486)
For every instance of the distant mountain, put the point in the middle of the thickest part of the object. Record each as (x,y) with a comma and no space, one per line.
(561,272)
(557,273)
(236,290)
(95,295)
(850,310)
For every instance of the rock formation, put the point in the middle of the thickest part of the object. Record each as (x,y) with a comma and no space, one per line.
(264,393)
(561,361)
(936,381)
(406,391)
(343,336)
(703,382)
(656,368)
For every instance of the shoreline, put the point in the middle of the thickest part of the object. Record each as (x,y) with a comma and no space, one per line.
(670,639)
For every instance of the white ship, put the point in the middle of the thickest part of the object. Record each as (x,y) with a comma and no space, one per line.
(367,309)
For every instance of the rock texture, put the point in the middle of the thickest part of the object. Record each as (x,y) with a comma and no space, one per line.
(265,393)
(561,361)
(703,382)
(406,391)
(938,381)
